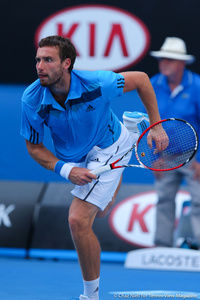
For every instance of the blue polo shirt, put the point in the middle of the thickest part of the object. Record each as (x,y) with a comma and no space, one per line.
(183,102)
(86,122)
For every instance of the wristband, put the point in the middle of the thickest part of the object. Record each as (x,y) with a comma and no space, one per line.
(58,166)
(63,169)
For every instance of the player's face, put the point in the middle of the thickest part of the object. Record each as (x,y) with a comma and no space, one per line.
(49,67)
(171,67)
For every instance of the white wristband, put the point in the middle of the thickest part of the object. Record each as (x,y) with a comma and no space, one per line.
(65,170)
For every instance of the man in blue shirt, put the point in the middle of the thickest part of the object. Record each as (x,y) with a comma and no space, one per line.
(86,134)
(178,94)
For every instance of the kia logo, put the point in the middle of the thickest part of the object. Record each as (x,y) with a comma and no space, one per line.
(105,37)
(133,219)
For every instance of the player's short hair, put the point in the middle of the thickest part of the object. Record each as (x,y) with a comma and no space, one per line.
(66,48)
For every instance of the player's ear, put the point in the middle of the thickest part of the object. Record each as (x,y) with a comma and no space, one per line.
(67,63)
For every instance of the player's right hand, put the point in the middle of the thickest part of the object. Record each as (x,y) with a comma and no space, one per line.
(81,176)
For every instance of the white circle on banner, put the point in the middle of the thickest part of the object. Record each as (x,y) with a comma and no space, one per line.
(105,37)
(133,219)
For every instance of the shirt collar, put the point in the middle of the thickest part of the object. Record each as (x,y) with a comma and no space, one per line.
(75,90)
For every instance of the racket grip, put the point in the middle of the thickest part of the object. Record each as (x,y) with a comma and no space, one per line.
(101,170)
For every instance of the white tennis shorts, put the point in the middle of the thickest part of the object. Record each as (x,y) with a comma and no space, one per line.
(100,192)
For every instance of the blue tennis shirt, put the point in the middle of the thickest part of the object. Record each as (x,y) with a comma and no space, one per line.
(86,122)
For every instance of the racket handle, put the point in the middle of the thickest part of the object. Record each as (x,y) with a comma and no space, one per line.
(101,170)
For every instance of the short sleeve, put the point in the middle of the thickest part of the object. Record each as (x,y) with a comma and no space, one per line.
(32,126)
(112,84)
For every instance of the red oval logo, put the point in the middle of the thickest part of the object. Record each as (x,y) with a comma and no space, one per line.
(105,37)
(133,219)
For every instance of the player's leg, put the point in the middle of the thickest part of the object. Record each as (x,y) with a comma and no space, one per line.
(81,218)
(88,200)
(135,121)
(166,187)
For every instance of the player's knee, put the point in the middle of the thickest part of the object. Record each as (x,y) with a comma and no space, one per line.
(75,223)
(78,224)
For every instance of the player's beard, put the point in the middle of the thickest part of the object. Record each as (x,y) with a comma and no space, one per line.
(54,81)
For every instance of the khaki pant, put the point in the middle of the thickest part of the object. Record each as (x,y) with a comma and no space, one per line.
(166,188)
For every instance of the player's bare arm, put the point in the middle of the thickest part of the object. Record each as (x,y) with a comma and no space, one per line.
(47,159)
(140,81)
(42,155)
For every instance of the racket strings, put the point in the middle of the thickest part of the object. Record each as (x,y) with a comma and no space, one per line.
(182,146)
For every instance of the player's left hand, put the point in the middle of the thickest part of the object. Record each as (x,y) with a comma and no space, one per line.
(158,134)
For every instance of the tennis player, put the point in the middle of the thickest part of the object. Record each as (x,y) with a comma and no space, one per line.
(86,134)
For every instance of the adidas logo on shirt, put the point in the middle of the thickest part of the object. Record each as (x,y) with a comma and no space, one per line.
(89,108)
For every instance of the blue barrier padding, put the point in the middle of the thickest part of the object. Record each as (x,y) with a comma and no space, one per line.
(13,252)
(53,254)
(118,257)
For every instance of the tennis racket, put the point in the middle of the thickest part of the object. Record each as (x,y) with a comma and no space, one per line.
(182,144)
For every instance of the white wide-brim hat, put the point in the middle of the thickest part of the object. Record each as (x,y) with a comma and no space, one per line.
(174,48)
